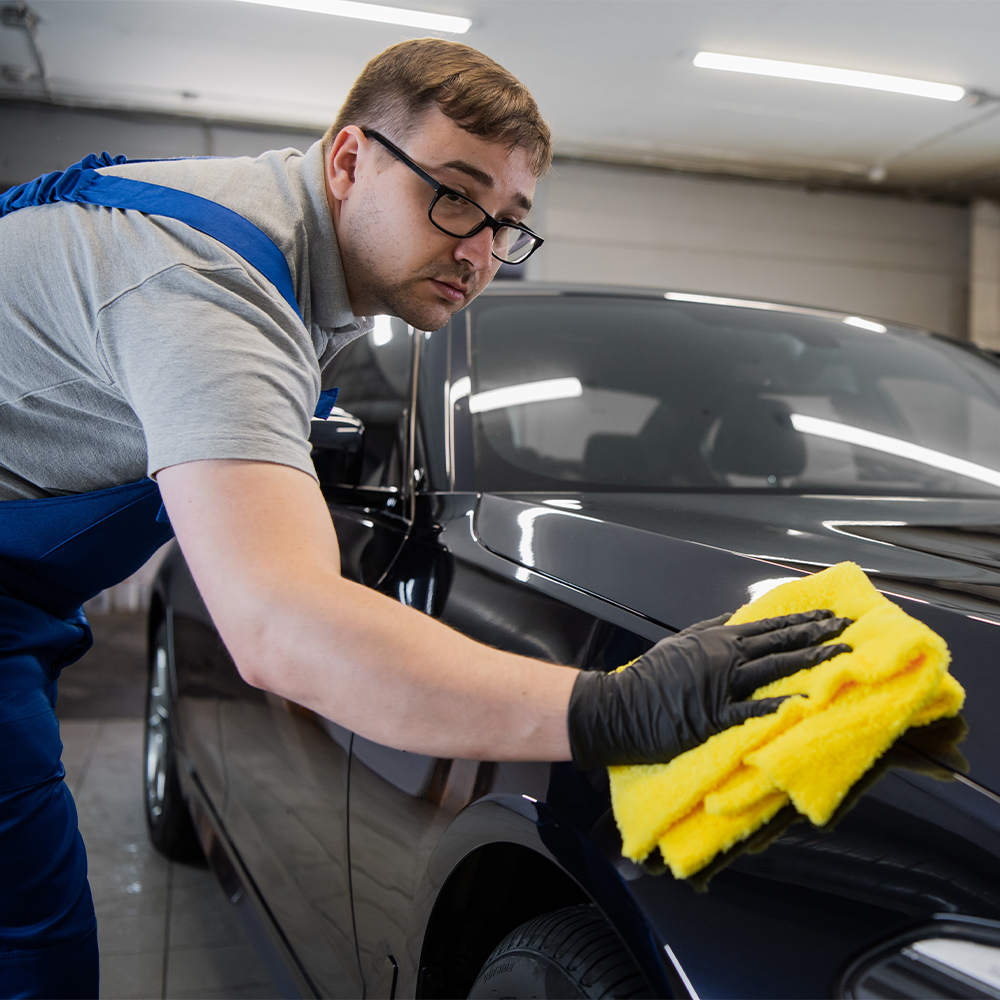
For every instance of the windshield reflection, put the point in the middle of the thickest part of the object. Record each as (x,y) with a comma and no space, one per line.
(703,392)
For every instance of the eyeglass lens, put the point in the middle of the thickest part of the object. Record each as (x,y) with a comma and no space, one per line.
(459,217)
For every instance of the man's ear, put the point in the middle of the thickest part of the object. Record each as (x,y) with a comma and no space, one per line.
(342,161)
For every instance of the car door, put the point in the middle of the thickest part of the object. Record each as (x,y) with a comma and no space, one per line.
(401,803)
(287,768)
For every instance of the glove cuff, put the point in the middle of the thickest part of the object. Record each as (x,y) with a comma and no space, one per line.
(584,722)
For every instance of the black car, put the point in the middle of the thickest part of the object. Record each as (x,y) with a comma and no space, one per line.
(573,473)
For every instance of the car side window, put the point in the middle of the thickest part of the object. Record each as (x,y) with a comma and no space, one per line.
(373,374)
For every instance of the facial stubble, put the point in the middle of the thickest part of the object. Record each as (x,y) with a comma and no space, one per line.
(371,278)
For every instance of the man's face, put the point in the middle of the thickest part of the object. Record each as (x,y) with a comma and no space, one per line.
(395,260)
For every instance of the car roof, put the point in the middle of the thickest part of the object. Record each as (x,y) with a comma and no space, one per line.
(568,288)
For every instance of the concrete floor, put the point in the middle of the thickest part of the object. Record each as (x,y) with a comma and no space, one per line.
(165,929)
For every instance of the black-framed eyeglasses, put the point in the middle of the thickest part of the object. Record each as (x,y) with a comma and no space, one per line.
(458,216)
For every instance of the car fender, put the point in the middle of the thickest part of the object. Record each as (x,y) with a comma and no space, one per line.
(508,818)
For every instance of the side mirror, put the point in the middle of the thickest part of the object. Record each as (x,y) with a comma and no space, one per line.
(338,448)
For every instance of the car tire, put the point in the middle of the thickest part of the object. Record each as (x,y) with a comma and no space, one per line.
(168,819)
(572,952)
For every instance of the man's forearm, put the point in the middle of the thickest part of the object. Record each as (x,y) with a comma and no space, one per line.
(260,545)
(401,678)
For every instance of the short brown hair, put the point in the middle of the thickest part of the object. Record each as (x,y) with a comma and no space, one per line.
(476,93)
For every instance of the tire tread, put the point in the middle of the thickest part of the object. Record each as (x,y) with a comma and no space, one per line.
(585,945)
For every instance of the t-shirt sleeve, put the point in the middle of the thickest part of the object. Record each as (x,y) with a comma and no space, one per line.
(213,367)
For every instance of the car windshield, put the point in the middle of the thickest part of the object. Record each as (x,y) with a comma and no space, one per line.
(617,392)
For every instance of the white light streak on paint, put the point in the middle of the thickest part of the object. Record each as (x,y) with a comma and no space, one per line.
(865,324)
(762,587)
(526,522)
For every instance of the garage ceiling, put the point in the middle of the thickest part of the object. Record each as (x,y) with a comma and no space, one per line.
(614,77)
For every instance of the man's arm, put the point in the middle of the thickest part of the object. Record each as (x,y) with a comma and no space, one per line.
(262,549)
(261,546)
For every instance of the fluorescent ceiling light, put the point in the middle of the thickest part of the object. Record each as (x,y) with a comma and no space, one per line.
(865,324)
(894,446)
(526,392)
(376,12)
(827,74)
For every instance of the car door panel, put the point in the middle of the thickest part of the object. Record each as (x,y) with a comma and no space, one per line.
(288,768)
(204,675)
(286,814)
(401,804)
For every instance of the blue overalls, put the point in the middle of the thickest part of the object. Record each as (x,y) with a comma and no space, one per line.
(55,554)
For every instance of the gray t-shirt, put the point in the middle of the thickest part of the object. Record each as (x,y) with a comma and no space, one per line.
(130,343)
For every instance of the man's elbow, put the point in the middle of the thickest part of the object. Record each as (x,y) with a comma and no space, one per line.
(262,660)
(256,673)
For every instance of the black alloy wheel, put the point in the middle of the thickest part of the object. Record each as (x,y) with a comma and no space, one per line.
(568,953)
(168,820)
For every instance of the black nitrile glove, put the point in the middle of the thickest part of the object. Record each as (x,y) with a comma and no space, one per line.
(691,686)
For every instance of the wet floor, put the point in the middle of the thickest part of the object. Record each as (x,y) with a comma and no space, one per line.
(165,929)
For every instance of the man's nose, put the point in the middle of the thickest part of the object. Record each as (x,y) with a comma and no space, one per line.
(477,249)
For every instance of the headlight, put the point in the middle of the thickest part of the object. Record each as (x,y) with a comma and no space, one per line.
(954,956)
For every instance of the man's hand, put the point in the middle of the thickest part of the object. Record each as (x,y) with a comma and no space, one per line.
(261,546)
(691,686)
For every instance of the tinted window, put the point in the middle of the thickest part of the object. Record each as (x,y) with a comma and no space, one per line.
(644,393)
(373,375)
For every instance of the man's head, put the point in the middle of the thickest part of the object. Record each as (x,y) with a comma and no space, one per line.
(468,123)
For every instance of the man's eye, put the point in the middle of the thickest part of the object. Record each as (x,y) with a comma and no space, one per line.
(454,199)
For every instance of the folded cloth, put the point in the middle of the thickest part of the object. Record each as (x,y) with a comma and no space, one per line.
(844,714)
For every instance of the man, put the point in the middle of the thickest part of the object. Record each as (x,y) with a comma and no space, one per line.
(149,332)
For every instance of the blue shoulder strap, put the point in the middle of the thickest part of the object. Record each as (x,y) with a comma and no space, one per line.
(327,401)
(82,183)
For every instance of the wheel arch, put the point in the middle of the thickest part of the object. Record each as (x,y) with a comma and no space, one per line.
(493,889)
(503,861)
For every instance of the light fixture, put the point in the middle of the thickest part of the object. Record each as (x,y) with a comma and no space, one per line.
(527,392)
(376,12)
(894,446)
(828,74)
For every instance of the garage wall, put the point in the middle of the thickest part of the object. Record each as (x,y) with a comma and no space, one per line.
(984,273)
(872,254)
(880,256)
(35,138)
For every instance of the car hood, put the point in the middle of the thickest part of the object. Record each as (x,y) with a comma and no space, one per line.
(679,558)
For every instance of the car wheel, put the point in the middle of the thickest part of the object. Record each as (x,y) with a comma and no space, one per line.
(572,952)
(168,820)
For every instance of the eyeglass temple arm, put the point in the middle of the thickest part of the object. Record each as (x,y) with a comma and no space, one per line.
(400,155)
(437,185)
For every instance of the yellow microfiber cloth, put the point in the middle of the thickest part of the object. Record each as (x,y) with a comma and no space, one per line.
(813,749)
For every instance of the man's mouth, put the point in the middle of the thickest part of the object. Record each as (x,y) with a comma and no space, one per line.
(450,290)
